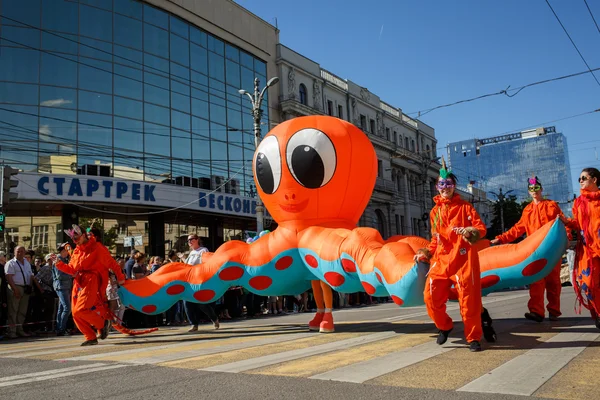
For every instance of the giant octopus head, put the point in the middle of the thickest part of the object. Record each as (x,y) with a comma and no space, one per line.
(315,170)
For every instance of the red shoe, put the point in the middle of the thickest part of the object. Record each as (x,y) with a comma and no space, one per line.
(315,323)
(327,323)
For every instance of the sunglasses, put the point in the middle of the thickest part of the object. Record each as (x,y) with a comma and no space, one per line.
(583,178)
(445,184)
(535,188)
(190,239)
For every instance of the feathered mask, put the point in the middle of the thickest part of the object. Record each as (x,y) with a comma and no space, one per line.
(534,181)
(444,172)
(75,231)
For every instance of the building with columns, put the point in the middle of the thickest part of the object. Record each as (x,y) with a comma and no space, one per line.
(406,147)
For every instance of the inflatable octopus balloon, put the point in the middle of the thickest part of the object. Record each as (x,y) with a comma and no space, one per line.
(316,175)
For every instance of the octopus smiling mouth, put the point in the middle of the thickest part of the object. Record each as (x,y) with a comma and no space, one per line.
(294,208)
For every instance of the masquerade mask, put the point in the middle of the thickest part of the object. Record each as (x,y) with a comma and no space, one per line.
(445,184)
(74,232)
(535,188)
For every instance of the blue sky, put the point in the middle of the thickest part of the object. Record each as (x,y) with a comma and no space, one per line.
(420,54)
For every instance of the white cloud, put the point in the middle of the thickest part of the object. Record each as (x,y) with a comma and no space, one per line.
(55,103)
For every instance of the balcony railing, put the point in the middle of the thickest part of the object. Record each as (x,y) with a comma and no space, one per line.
(329,77)
(410,121)
(389,109)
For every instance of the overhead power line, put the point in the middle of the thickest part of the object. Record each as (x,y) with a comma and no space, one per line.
(592,15)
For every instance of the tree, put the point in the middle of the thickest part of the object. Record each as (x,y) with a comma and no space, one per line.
(108,238)
(512,214)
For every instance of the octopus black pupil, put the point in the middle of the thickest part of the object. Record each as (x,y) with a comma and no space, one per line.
(308,167)
(264,174)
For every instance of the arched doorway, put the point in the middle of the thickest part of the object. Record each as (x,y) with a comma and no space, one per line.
(381,222)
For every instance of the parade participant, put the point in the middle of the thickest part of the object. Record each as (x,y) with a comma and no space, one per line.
(535,215)
(455,227)
(586,220)
(63,285)
(89,264)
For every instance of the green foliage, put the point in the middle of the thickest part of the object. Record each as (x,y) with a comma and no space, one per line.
(512,214)
(109,237)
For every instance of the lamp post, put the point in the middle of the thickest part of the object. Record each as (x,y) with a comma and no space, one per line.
(257,112)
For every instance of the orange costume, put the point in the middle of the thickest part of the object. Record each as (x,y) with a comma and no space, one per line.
(89,265)
(586,272)
(534,217)
(454,261)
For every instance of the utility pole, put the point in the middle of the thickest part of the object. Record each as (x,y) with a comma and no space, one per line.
(501,197)
(257,112)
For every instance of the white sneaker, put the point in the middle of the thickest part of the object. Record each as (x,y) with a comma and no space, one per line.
(194,328)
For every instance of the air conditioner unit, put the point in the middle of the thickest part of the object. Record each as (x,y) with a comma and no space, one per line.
(233,186)
(216,183)
(204,183)
(95,170)
(186,181)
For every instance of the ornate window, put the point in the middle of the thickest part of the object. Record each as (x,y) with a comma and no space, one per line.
(303,96)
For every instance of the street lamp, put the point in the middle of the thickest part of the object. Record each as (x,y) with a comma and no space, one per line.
(501,197)
(257,112)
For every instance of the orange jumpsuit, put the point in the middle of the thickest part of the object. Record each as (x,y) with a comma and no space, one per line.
(586,219)
(89,265)
(454,261)
(534,217)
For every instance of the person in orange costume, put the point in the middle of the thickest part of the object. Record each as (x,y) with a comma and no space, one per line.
(586,219)
(89,265)
(537,214)
(455,227)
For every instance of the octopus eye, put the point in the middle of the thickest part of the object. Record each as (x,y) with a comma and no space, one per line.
(267,165)
(311,158)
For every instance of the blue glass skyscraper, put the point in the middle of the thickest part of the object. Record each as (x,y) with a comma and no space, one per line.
(507,161)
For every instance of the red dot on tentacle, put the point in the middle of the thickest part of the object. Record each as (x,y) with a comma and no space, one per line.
(175,289)
(489,281)
(311,261)
(260,282)
(334,279)
(368,288)
(348,265)
(204,295)
(231,273)
(284,263)
(378,277)
(149,308)
(397,300)
(535,267)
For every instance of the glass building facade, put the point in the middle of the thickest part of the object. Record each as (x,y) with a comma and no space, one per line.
(507,161)
(126,85)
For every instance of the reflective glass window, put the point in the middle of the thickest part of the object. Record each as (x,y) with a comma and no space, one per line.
(197,36)
(157,140)
(234,119)
(25,11)
(128,108)
(156,114)
(156,17)
(97,102)
(128,31)
(129,72)
(156,41)
(233,95)
(199,58)
(180,51)
(217,88)
(19,65)
(216,66)
(247,80)
(179,27)
(128,88)
(18,159)
(180,73)
(95,23)
(200,147)
(18,93)
(216,45)
(156,80)
(156,65)
(180,120)
(180,102)
(95,49)
(60,42)
(129,135)
(95,129)
(56,134)
(106,4)
(233,73)
(200,81)
(247,60)
(127,56)
(218,114)
(131,8)
(218,152)
(62,16)
(180,88)
(232,53)
(200,108)
(236,157)
(60,70)
(95,75)
(156,95)
(182,153)
(20,37)
(260,67)
(55,97)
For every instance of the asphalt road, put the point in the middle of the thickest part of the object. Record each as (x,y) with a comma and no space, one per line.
(388,350)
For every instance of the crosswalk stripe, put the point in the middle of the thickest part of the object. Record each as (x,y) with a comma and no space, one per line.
(526,373)
(259,362)
(57,373)
(248,341)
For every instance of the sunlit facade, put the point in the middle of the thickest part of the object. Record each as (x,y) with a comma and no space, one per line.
(129,91)
(507,161)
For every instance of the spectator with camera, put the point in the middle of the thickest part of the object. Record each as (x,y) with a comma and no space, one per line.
(19,277)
